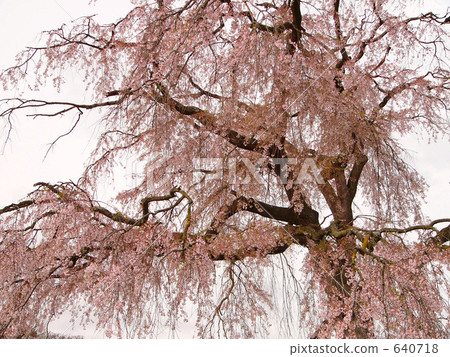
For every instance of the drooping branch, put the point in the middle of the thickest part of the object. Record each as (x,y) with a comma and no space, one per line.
(121,218)
(117,216)
(241,204)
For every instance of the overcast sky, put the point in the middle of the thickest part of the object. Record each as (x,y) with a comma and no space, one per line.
(22,163)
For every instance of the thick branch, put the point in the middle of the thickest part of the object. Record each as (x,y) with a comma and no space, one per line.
(296,21)
(272,29)
(442,236)
(355,175)
(307,217)
(398,89)
(119,217)
(16,206)
(337,25)
(278,249)
(429,226)
(208,120)
(370,39)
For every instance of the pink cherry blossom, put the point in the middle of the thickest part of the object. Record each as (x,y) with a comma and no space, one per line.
(242,82)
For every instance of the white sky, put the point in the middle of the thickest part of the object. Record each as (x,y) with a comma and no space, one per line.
(22,164)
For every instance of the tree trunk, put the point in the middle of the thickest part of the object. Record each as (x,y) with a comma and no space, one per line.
(341,292)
